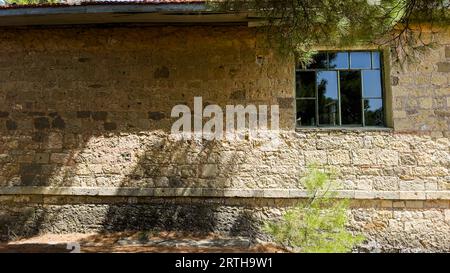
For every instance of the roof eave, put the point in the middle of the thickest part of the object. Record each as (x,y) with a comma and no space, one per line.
(120,13)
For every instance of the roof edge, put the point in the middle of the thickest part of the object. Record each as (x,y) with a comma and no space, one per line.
(73,3)
(101,13)
(104,8)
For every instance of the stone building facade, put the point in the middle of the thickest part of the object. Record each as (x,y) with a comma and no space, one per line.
(85,141)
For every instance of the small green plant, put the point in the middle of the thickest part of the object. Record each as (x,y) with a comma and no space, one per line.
(317,225)
(143,236)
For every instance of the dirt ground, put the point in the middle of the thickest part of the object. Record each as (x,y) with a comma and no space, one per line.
(135,242)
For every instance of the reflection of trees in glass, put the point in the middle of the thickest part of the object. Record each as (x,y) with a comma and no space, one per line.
(306,84)
(338,60)
(320,61)
(327,105)
(306,112)
(373,117)
(336,93)
(351,97)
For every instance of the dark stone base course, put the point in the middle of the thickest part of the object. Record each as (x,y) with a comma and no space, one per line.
(387,228)
(24,221)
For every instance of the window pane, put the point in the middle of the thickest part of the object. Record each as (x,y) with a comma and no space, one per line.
(306,112)
(372,83)
(306,84)
(360,60)
(327,91)
(320,60)
(351,104)
(338,60)
(373,112)
(376,60)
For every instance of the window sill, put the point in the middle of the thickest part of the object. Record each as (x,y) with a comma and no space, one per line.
(344,129)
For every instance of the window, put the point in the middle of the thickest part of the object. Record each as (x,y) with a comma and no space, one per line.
(340,89)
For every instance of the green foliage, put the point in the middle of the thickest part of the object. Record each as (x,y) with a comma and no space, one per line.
(298,26)
(317,225)
(143,236)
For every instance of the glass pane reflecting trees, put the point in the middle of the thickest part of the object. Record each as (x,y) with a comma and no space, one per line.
(341,89)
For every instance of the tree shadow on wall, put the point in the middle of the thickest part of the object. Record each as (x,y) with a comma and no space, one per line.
(95,115)
(141,160)
(178,172)
(32,158)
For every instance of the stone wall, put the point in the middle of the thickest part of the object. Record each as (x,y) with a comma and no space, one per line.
(420,91)
(85,115)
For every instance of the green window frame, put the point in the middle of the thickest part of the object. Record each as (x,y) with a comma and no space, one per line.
(341,89)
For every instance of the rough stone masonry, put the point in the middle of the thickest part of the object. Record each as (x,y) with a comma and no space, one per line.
(85,143)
